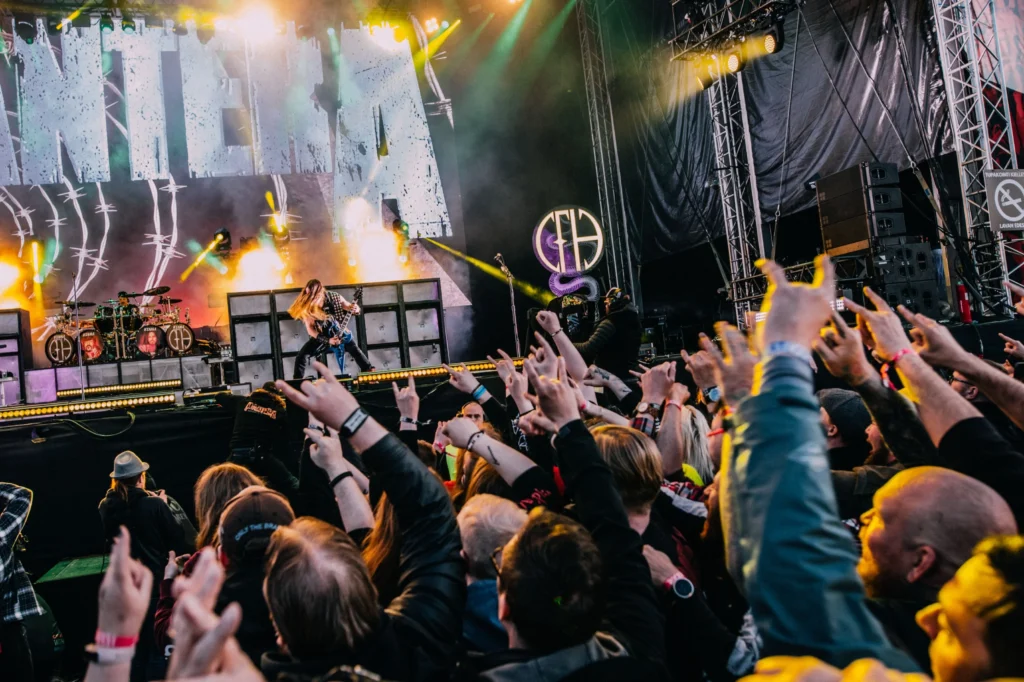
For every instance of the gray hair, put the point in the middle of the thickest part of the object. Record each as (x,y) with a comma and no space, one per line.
(487,522)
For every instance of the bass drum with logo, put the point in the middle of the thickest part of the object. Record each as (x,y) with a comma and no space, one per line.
(179,338)
(149,341)
(61,349)
(91,345)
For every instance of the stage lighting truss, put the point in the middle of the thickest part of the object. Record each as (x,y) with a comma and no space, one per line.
(86,406)
(397,375)
(121,388)
(714,27)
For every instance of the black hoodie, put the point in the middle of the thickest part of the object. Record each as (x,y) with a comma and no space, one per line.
(156,526)
(615,344)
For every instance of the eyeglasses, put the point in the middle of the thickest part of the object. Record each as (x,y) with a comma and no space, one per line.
(496,559)
(959,380)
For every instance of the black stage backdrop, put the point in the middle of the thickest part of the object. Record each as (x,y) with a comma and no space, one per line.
(833,120)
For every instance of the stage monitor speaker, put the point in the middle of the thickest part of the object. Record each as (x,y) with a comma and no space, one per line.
(853,204)
(136,372)
(256,372)
(195,372)
(15,352)
(857,179)
(923,296)
(856,234)
(252,338)
(40,386)
(911,262)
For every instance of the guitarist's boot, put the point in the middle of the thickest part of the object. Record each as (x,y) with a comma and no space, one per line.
(353,349)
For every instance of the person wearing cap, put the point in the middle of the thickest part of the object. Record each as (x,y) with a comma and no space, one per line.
(156,521)
(246,524)
(615,344)
(845,419)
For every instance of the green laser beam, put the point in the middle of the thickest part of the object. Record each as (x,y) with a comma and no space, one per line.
(488,76)
(466,45)
(543,46)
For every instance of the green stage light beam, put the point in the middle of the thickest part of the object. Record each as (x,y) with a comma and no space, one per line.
(466,45)
(488,76)
(543,46)
(525,288)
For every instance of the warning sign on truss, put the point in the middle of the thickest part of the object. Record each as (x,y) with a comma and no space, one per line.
(1005,190)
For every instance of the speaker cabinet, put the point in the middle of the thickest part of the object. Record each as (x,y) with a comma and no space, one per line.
(15,352)
(857,179)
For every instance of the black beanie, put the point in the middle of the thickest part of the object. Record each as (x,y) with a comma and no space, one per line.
(847,412)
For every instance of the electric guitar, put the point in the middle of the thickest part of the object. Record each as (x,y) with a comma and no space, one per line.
(335,328)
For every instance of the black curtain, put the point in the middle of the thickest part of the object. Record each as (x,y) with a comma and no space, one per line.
(828,120)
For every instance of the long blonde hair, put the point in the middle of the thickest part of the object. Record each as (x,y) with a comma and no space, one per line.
(305,306)
(696,450)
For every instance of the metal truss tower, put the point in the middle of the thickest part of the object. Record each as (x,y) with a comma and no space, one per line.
(621,244)
(982,135)
(711,26)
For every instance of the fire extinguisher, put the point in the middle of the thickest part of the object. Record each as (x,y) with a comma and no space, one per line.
(964,303)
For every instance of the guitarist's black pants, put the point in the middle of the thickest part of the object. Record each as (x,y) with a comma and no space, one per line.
(309,350)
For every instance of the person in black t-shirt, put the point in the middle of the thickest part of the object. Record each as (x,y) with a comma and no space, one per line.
(615,343)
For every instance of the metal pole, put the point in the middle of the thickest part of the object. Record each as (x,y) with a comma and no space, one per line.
(515,320)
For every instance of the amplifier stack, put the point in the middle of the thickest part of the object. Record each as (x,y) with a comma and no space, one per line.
(861,212)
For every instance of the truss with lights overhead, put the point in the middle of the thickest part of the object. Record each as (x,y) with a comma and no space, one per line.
(709,27)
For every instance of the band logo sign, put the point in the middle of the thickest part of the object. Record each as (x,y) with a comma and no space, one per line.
(568,240)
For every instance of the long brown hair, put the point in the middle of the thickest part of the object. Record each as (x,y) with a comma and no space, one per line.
(123,485)
(305,303)
(214,489)
(381,550)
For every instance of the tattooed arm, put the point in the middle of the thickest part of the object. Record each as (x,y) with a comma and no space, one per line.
(898,422)
(507,461)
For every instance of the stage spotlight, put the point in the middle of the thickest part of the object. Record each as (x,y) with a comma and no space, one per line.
(106,22)
(127,24)
(54,24)
(205,32)
(445,24)
(431,25)
(734,62)
(180,30)
(26,30)
(222,238)
(330,30)
(704,77)
(774,39)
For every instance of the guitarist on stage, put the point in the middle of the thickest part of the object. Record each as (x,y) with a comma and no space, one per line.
(326,315)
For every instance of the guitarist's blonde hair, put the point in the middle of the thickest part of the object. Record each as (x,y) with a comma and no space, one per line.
(305,306)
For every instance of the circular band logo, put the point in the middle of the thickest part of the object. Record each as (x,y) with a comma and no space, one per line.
(568,240)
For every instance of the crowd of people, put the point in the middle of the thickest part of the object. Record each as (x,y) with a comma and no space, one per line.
(593,524)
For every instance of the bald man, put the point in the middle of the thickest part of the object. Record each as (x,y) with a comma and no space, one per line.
(923,525)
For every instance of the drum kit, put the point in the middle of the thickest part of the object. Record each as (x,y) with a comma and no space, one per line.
(121,330)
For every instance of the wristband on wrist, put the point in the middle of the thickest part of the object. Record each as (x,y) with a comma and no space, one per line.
(479,391)
(674,403)
(341,477)
(787,348)
(472,439)
(107,640)
(410,420)
(892,363)
(109,656)
(438,447)
(556,333)
(353,423)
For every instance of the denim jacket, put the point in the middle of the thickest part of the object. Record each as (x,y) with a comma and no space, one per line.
(785,544)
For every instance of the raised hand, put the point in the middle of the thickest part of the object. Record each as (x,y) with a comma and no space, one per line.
(325,452)
(555,397)
(796,312)
(125,591)
(881,328)
(440,437)
(734,371)
(655,383)
(933,342)
(462,379)
(504,367)
(660,564)
(701,368)
(536,424)
(679,393)
(1018,291)
(407,400)
(1013,348)
(842,351)
(329,401)
(459,430)
(549,322)
(545,358)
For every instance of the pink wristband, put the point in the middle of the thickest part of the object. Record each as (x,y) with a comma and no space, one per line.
(672,580)
(899,356)
(107,640)
(676,403)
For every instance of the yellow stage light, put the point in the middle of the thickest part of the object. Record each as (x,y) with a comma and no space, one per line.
(257,24)
(432,25)
(258,270)
(9,275)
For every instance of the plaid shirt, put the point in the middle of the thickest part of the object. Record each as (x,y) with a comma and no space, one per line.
(334,307)
(17,598)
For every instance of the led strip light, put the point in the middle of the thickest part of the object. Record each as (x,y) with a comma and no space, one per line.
(87,406)
(377,377)
(118,388)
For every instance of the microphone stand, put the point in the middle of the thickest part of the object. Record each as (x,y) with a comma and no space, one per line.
(78,341)
(512,299)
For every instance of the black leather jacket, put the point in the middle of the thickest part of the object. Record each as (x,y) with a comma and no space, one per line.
(418,637)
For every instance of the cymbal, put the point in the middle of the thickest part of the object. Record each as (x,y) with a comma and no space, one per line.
(155,291)
(135,295)
(76,304)
(170,300)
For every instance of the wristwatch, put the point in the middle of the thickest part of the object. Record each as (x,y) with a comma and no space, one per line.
(680,586)
(711,395)
(643,408)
